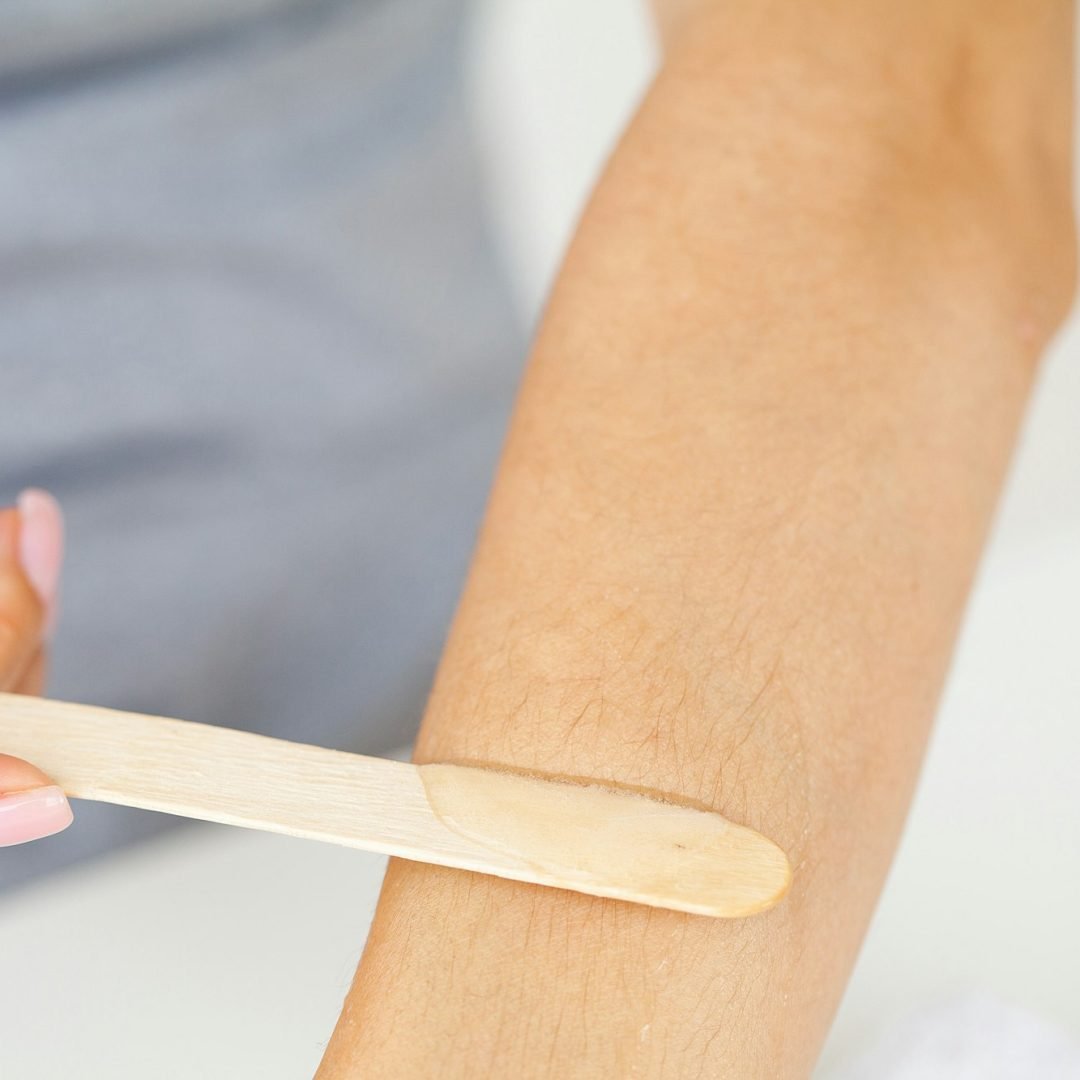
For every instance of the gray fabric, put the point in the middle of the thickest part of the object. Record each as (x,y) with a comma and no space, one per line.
(254,337)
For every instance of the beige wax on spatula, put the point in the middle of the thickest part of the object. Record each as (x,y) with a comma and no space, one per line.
(587,838)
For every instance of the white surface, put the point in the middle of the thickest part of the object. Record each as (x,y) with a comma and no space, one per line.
(225,954)
(217,954)
(971,1037)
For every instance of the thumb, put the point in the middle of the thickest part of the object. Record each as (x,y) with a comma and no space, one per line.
(31,805)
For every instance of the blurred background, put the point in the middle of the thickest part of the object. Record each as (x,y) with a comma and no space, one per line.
(214,952)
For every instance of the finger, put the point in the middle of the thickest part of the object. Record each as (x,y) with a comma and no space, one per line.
(33,679)
(22,613)
(41,548)
(31,805)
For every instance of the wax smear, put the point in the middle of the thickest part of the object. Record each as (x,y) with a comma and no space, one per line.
(617,843)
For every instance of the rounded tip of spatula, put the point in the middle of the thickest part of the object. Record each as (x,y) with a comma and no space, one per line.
(607,842)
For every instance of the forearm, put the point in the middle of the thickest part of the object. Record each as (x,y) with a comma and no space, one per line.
(746,482)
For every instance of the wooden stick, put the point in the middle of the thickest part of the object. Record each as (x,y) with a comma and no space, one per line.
(588,838)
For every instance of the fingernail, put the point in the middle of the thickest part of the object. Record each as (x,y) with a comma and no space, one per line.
(41,547)
(30,815)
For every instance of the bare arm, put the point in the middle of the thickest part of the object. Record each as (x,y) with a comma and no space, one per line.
(747,480)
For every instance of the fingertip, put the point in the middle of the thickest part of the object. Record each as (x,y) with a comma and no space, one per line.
(41,546)
(33,815)
(31,805)
(19,775)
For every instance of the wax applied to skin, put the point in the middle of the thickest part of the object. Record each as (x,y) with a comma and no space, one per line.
(569,831)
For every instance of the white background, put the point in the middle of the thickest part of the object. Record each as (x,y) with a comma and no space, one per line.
(220,953)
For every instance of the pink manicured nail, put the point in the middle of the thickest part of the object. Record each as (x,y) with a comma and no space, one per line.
(30,815)
(41,547)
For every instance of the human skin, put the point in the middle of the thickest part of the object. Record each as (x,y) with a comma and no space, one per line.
(745,486)
(31,542)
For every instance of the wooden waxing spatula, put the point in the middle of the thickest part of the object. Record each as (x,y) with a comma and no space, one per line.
(587,838)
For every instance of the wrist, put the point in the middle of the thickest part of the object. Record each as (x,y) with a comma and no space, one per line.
(951,124)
